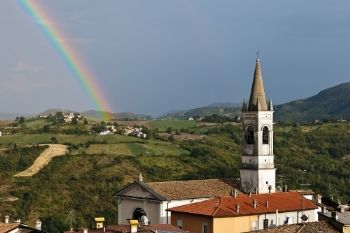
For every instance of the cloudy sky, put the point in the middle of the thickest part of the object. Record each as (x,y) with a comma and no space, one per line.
(152,56)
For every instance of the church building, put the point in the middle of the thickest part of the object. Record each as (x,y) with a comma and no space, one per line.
(257,171)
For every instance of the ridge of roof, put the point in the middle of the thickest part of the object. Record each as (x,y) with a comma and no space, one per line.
(144,186)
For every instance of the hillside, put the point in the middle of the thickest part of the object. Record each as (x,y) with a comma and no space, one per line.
(331,103)
(226,109)
(85,179)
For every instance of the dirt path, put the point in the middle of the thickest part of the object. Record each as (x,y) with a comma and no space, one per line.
(44,159)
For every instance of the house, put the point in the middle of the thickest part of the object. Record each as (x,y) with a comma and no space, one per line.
(339,219)
(18,227)
(152,199)
(309,227)
(242,213)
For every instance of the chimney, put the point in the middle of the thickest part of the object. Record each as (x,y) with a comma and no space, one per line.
(342,208)
(235,193)
(17,220)
(7,219)
(133,225)
(335,215)
(237,208)
(267,204)
(254,204)
(140,177)
(250,194)
(324,209)
(38,224)
(85,230)
(319,199)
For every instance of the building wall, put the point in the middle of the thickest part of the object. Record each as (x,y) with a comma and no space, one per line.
(280,219)
(126,208)
(234,225)
(165,216)
(192,223)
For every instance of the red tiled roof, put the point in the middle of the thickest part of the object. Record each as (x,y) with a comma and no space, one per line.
(189,189)
(227,206)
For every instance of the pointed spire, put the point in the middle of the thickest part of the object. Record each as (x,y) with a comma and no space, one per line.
(257,95)
(244,106)
(140,177)
(270,105)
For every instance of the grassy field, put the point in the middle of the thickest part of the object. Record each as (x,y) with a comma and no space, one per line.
(32,139)
(162,125)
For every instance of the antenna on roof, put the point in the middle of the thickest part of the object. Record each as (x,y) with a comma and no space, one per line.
(257,54)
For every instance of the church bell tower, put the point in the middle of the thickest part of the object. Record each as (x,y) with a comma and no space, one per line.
(257,170)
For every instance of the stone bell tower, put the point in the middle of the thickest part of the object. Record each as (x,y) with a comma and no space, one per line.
(257,170)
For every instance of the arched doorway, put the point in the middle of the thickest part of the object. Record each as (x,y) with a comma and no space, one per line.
(138,213)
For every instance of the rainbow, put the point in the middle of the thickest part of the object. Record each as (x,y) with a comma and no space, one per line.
(70,57)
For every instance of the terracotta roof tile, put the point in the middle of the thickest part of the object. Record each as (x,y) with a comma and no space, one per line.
(310,227)
(227,206)
(6,227)
(180,190)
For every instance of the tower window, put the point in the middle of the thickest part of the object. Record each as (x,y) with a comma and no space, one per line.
(265,137)
(249,135)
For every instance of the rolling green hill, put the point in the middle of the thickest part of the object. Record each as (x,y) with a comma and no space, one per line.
(226,109)
(85,179)
(331,103)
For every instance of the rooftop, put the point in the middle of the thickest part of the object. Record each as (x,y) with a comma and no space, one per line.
(230,206)
(188,189)
(343,218)
(310,227)
(7,227)
(159,228)
(257,100)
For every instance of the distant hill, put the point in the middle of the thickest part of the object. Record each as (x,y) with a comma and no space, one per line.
(119,116)
(54,110)
(331,103)
(226,109)
(96,114)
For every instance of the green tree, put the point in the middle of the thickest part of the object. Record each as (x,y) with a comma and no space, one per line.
(21,120)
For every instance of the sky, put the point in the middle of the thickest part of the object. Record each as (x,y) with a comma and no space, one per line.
(155,56)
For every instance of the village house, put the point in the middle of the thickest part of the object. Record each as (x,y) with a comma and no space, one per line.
(152,199)
(18,227)
(242,213)
(339,219)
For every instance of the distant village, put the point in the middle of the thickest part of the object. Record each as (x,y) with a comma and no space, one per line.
(249,203)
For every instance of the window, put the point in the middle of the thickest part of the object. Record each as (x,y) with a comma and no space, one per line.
(265,136)
(249,135)
(205,228)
